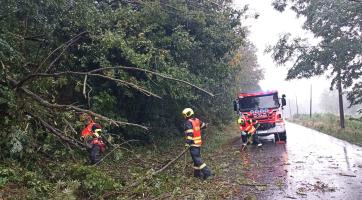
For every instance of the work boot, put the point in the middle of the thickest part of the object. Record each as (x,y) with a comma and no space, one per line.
(197,173)
(206,172)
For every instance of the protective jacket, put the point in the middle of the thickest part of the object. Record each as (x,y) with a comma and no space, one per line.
(91,135)
(91,130)
(247,125)
(193,128)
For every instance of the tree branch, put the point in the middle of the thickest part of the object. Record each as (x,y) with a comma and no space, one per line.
(115,147)
(160,170)
(58,133)
(70,126)
(66,45)
(92,73)
(127,84)
(85,85)
(149,176)
(154,73)
(72,107)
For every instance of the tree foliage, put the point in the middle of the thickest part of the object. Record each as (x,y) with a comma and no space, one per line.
(132,64)
(337,26)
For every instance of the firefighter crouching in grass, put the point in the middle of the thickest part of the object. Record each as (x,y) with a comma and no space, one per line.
(192,129)
(248,128)
(91,136)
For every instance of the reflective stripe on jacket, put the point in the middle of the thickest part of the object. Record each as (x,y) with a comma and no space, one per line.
(248,126)
(194,134)
(92,129)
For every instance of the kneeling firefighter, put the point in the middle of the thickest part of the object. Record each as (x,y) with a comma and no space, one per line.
(91,135)
(192,129)
(248,128)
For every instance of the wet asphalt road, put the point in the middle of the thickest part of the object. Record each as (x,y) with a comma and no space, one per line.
(311,165)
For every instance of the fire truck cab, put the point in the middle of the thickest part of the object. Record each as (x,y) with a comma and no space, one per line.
(266,107)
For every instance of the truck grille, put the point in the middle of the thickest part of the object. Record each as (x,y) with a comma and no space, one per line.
(266,126)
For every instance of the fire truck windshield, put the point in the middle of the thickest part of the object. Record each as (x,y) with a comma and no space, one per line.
(258,102)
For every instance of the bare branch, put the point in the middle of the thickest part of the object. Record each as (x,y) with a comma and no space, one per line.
(70,126)
(58,133)
(125,83)
(88,96)
(75,108)
(115,148)
(85,85)
(148,176)
(132,85)
(160,170)
(171,162)
(92,73)
(66,45)
(154,73)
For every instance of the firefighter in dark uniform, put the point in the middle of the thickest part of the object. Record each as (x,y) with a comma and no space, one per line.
(192,129)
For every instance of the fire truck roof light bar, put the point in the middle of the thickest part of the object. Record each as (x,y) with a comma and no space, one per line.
(241,95)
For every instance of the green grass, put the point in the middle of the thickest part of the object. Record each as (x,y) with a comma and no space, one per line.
(177,182)
(329,124)
(112,178)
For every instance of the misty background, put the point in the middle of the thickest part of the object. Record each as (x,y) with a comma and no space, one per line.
(265,30)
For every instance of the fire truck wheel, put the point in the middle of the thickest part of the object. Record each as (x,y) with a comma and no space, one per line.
(281,136)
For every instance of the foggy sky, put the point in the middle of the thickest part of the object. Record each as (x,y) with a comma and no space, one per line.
(264,31)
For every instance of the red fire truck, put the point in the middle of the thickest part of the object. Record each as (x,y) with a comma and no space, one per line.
(266,107)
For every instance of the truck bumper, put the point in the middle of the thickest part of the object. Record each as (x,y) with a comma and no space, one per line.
(276,129)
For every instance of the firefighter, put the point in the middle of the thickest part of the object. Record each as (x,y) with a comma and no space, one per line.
(192,129)
(91,136)
(248,128)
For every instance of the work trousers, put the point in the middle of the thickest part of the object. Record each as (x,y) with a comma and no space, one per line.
(200,168)
(244,138)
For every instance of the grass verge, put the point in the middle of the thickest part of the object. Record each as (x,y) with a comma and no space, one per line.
(112,178)
(329,124)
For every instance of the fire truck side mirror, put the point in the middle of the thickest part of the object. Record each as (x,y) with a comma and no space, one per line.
(235,106)
(284,102)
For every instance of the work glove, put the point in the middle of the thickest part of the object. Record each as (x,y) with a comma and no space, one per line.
(97,133)
(204,125)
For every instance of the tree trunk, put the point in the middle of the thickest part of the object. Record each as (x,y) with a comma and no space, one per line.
(340,96)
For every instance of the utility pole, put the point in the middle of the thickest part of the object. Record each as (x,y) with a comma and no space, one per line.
(310,102)
(296,103)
